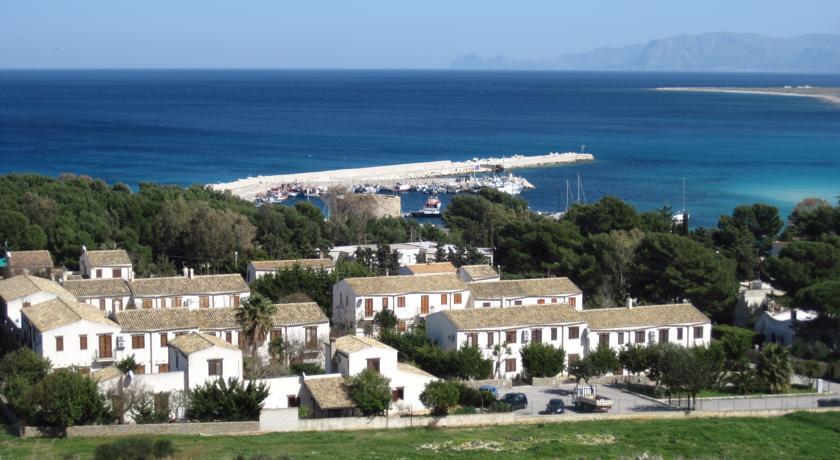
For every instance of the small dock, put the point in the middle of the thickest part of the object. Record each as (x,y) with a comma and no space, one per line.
(251,187)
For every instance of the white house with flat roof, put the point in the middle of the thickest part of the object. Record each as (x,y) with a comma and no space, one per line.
(779,326)
(189,291)
(69,333)
(203,357)
(511,293)
(512,329)
(109,295)
(259,268)
(357,300)
(428,268)
(106,264)
(24,290)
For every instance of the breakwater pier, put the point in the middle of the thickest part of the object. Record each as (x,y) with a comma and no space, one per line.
(249,188)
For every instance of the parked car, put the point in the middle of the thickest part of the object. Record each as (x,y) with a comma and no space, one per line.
(516,400)
(490,389)
(555,406)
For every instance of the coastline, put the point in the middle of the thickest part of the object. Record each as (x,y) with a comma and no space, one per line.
(249,188)
(830,95)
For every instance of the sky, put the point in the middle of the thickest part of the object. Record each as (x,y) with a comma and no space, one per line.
(366,33)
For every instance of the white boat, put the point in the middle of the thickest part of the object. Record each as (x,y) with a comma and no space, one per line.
(430,209)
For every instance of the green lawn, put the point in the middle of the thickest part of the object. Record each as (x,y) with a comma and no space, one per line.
(799,435)
(718,394)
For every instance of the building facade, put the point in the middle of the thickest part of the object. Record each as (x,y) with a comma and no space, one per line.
(106,264)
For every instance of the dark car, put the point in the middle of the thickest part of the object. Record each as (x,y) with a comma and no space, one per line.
(516,400)
(555,406)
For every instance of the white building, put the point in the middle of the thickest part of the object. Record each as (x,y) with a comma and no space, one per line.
(428,268)
(203,357)
(109,295)
(259,268)
(357,300)
(509,293)
(753,298)
(106,264)
(190,291)
(28,263)
(69,333)
(682,324)
(478,274)
(512,328)
(409,253)
(25,290)
(778,326)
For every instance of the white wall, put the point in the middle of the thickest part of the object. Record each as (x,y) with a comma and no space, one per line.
(412,384)
(196,368)
(72,355)
(88,271)
(14,306)
(152,353)
(192,301)
(121,302)
(279,390)
(162,382)
(651,336)
(529,300)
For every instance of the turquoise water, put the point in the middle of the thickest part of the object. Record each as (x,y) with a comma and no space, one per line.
(187,127)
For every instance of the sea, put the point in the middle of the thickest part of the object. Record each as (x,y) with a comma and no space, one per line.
(205,126)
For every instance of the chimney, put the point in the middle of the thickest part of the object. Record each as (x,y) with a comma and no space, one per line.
(186,272)
(192,273)
(84,248)
(629,302)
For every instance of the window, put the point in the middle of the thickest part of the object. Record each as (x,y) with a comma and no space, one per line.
(574,332)
(472,340)
(97,273)
(177,302)
(204,302)
(116,273)
(554,300)
(489,339)
(398,394)
(384,303)
(59,343)
(214,367)
(138,341)
(510,336)
(312,337)
(698,332)
(424,305)
(274,334)
(241,341)
(456,298)
(102,304)
(573,358)
(118,304)
(517,302)
(485,304)
(403,325)
(443,299)
(147,303)
(400,302)
(229,337)
(293,401)
(553,333)
(510,365)
(536,336)
(140,369)
(621,338)
(604,340)
(368,308)
(164,339)
(234,300)
(179,334)
(105,350)
(640,337)
(663,335)
(83,342)
(540,301)
(373,364)
(161,368)
(679,333)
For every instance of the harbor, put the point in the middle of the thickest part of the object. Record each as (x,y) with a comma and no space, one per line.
(424,176)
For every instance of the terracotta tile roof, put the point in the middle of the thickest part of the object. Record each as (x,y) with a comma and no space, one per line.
(274,265)
(105,374)
(480,272)
(524,288)
(105,287)
(405,284)
(52,314)
(351,343)
(24,285)
(644,316)
(170,319)
(111,258)
(329,392)
(437,267)
(194,342)
(182,285)
(512,317)
(403,367)
(30,259)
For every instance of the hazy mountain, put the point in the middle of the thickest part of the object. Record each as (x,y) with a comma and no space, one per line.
(707,52)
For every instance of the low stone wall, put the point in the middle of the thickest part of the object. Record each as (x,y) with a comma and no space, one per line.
(498,383)
(550,381)
(384,423)
(90,431)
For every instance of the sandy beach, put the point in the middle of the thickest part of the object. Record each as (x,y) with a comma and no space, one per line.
(250,187)
(831,95)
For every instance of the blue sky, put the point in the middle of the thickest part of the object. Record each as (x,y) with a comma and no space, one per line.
(365,33)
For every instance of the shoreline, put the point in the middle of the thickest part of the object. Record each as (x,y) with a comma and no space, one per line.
(250,187)
(830,95)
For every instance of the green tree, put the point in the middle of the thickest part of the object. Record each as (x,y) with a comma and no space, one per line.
(66,398)
(608,214)
(19,233)
(804,263)
(735,342)
(306,368)
(811,219)
(604,359)
(774,368)
(440,396)
(386,320)
(542,360)
(20,371)
(634,357)
(370,392)
(254,317)
(583,369)
(277,349)
(232,400)
(823,297)
(127,364)
(470,364)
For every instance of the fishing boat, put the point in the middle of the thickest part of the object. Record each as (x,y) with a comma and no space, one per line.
(430,209)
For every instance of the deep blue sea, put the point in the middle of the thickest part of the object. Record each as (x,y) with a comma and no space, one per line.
(185,127)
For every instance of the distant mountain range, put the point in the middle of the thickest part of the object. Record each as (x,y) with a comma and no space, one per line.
(721,52)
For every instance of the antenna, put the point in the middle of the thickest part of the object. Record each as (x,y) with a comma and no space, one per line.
(683,181)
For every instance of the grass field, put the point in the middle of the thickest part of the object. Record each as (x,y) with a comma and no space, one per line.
(798,435)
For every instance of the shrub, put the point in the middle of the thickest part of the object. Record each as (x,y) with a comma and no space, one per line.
(634,357)
(386,320)
(440,396)
(774,368)
(470,364)
(229,401)
(809,369)
(465,410)
(20,371)
(542,360)
(144,411)
(306,368)
(469,396)
(134,448)
(583,369)
(603,359)
(67,398)
(499,406)
(736,342)
(370,391)
(126,364)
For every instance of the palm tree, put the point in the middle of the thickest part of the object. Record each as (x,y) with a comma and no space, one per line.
(775,367)
(277,349)
(254,317)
